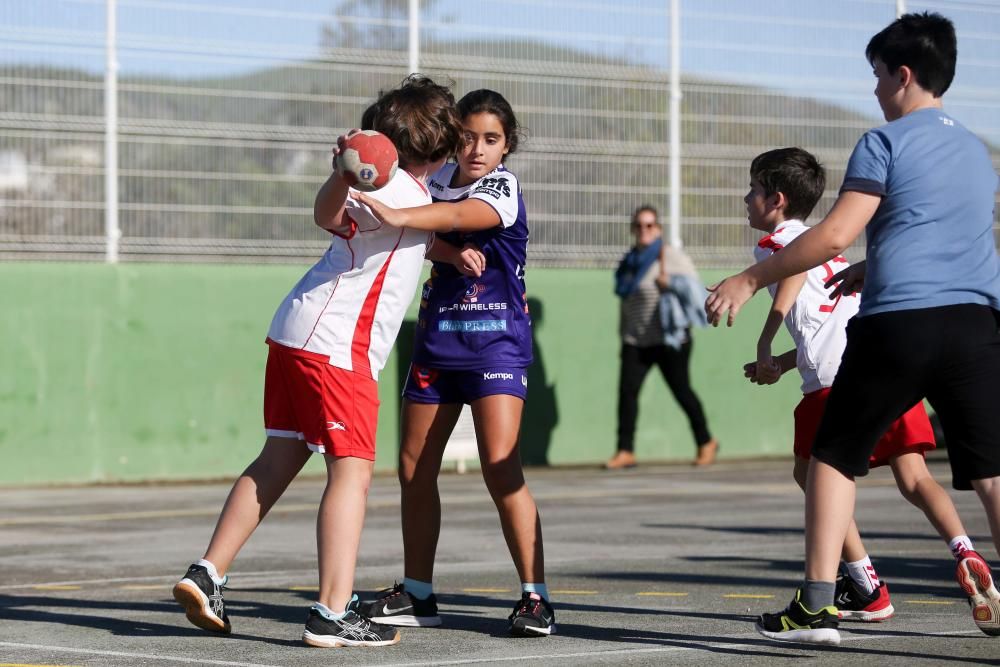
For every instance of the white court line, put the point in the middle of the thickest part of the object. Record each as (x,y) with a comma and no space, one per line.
(144,656)
(541,656)
(665,649)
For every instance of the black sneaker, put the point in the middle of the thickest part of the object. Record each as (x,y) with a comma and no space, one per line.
(202,600)
(854,604)
(394,606)
(353,629)
(532,617)
(798,624)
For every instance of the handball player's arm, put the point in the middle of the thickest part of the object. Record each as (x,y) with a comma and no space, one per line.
(845,221)
(328,209)
(468,215)
(786,361)
(469,260)
(768,369)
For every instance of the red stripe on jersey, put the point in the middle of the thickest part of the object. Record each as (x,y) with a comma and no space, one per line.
(418,182)
(769,242)
(363,329)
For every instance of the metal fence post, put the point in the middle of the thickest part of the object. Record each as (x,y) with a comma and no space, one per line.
(112,232)
(675,124)
(414,25)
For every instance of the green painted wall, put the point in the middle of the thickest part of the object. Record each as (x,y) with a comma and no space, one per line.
(136,372)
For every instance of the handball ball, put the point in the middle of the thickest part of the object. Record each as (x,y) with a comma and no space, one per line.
(368,161)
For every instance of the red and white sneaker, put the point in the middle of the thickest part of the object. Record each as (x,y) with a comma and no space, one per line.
(854,604)
(975,579)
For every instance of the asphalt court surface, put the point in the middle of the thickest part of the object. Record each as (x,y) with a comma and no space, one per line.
(655,565)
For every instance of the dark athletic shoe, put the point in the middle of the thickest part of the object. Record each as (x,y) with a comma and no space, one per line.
(202,600)
(532,617)
(976,580)
(351,630)
(798,624)
(854,604)
(394,606)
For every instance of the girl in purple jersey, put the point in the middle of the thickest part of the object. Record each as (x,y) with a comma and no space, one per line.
(473,345)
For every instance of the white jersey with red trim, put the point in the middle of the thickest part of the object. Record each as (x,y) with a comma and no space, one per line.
(350,305)
(817,323)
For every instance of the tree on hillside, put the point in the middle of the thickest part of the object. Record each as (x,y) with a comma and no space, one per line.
(371,24)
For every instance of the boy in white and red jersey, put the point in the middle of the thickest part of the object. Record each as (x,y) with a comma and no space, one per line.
(785,185)
(327,343)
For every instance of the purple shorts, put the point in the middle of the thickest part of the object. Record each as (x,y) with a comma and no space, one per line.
(431,385)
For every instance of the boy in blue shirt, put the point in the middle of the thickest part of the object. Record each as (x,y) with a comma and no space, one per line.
(922,187)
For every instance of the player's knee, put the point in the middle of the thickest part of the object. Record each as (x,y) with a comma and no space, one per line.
(503,477)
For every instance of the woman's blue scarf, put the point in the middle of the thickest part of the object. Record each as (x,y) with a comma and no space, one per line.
(634,266)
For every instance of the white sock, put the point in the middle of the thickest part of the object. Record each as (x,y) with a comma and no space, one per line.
(863,574)
(960,545)
(212,572)
(328,613)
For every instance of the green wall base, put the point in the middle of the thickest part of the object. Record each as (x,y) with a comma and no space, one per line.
(155,372)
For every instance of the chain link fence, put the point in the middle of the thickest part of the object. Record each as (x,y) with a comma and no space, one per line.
(227,110)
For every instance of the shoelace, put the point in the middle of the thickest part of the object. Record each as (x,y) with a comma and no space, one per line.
(526,605)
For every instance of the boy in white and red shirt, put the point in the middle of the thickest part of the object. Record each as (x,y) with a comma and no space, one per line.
(327,343)
(785,185)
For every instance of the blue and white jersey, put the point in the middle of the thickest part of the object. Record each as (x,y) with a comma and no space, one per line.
(470,323)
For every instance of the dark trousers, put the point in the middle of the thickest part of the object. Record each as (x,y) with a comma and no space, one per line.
(636,362)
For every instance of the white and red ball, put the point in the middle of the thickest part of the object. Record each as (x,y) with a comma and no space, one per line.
(368,161)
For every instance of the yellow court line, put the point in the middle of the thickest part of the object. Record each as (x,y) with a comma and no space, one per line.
(486,590)
(662,594)
(304,588)
(53,587)
(742,596)
(144,587)
(572,592)
(929,601)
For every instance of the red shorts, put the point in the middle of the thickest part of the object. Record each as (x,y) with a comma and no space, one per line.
(333,410)
(910,433)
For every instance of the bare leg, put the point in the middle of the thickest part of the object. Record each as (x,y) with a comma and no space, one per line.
(854,549)
(498,422)
(989,494)
(829,513)
(922,490)
(338,527)
(253,495)
(426,429)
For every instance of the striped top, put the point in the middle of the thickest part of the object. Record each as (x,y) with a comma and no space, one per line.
(639,324)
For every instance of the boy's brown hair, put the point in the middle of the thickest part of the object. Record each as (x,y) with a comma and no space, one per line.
(420,118)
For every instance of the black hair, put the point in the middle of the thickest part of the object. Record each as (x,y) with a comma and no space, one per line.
(492,102)
(795,173)
(925,43)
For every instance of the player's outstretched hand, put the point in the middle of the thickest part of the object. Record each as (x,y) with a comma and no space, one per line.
(848,282)
(394,217)
(728,297)
(339,148)
(471,261)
